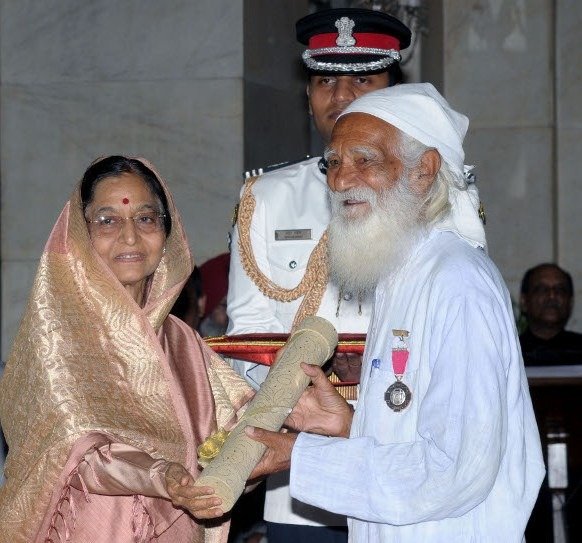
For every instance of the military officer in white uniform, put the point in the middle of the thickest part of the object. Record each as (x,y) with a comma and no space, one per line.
(278,270)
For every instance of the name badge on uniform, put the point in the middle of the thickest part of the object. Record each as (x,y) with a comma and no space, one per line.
(293,235)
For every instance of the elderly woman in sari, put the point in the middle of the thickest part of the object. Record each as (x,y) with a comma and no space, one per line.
(105,396)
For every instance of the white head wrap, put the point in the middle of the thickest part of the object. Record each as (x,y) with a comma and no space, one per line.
(418,109)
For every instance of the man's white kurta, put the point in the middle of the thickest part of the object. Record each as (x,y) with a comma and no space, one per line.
(291,198)
(462,463)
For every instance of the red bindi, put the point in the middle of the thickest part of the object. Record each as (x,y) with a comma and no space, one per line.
(125,201)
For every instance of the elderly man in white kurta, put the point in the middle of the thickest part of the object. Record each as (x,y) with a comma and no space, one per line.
(278,271)
(443,445)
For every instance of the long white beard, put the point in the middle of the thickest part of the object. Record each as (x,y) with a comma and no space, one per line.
(362,250)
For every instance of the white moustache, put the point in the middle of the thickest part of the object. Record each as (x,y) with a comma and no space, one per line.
(340,200)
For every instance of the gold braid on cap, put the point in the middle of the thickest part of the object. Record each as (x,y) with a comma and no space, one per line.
(314,281)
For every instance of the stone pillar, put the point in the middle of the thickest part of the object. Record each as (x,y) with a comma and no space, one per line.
(276,123)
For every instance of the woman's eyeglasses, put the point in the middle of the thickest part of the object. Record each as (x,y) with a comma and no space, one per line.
(109,225)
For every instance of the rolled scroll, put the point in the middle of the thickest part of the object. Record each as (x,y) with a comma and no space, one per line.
(313,342)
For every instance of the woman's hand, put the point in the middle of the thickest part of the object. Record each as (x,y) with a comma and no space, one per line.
(198,501)
(321,409)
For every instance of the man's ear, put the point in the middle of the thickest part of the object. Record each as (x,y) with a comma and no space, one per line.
(308,100)
(429,166)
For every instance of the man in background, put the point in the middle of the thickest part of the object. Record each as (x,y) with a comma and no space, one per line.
(547,300)
(214,273)
(202,302)
(189,306)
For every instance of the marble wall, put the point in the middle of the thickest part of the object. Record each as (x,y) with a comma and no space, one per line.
(275,103)
(568,91)
(513,66)
(82,79)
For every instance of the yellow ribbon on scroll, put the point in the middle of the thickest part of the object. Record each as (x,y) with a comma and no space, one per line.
(313,341)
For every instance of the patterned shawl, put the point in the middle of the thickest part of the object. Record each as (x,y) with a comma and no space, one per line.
(87,360)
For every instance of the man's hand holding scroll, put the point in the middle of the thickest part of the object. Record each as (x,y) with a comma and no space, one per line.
(320,410)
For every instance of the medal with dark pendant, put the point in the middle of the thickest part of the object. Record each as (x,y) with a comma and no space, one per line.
(398,395)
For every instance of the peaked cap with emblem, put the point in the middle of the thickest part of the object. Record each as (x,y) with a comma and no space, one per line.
(351,41)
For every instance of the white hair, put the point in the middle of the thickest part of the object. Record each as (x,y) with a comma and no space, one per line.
(364,249)
(438,199)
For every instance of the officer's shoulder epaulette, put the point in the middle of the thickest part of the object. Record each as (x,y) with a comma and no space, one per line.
(272,167)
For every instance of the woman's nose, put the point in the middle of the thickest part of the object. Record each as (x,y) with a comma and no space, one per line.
(128,231)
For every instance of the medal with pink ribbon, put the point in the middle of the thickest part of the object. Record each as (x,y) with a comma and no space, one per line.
(398,395)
